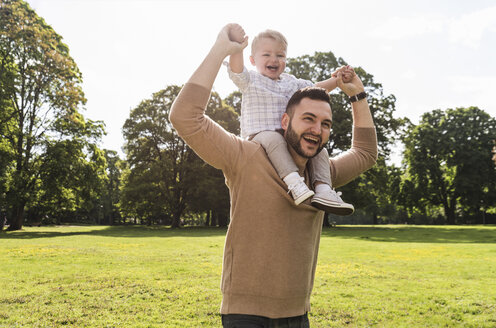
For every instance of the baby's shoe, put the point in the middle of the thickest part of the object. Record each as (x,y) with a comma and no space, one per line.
(330,201)
(297,187)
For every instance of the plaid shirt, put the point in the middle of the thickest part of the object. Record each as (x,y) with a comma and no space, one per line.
(264,100)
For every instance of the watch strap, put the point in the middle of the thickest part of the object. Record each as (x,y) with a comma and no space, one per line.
(359,96)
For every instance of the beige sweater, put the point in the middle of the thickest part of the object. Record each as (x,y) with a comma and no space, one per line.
(271,247)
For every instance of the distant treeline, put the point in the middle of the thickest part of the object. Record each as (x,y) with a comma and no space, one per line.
(52,169)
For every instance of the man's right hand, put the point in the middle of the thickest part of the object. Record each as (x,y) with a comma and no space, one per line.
(224,42)
(236,33)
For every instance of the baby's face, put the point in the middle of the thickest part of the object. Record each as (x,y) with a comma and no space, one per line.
(269,58)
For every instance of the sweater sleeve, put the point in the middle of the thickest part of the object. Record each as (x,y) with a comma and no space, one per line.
(361,157)
(209,140)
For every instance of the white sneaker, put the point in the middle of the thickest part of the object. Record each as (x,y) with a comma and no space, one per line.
(331,202)
(300,191)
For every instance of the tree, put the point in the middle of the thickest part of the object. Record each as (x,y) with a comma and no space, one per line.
(41,92)
(156,157)
(369,191)
(374,192)
(70,179)
(210,194)
(6,163)
(448,161)
(6,157)
(320,67)
(160,163)
(166,178)
(111,191)
(234,101)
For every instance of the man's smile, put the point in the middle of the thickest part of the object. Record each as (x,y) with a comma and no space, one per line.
(312,139)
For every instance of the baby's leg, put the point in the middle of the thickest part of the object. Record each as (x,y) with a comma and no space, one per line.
(319,166)
(277,150)
(326,198)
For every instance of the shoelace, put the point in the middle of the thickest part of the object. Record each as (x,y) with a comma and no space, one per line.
(294,185)
(338,194)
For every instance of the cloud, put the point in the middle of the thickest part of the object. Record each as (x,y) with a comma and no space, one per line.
(466,30)
(404,27)
(479,89)
(469,29)
(409,74)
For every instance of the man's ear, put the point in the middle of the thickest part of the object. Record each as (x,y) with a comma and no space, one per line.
(252,60)
(285,121)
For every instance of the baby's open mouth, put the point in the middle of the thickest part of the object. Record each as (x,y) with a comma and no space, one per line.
(272,68)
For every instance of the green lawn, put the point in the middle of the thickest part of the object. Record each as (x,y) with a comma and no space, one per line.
(385,276)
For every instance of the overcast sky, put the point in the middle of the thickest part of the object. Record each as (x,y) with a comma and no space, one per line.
(429,54)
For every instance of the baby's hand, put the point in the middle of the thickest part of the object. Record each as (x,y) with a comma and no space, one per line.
(347,73)
(236,33)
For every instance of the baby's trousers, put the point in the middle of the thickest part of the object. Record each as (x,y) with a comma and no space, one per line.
(277,150)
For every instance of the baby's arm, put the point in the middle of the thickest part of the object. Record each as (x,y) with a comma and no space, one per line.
(236,33)
(331,84)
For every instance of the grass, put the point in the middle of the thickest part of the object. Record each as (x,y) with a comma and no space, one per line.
(392,276)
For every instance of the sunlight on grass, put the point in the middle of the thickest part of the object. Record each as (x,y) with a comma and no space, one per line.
(393,276)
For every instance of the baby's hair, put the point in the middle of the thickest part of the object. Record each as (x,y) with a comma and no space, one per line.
(271,34)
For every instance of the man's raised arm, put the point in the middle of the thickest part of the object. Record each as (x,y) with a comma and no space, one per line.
(362,117)
(187,115)
(363,153)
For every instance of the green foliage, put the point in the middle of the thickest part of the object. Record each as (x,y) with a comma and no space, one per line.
(111,190)
(448,162)
(210,194)
(234,100)
(94,276)
(71,180)
(6,156)
(319,67)
(165,176)
(153,186)
(40,94)
(374,193)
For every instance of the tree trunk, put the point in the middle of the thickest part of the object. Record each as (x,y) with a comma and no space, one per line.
(375,221)
(222,219)
(208,222)
(325,222)
(176,219)
(17,219)
(2,222)
(449,212)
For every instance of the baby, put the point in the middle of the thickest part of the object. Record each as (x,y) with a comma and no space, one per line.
(265,95)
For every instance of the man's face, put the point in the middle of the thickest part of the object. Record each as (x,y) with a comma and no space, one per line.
(269,58)
(308,130)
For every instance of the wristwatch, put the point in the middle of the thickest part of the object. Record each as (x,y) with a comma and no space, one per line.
(357,97)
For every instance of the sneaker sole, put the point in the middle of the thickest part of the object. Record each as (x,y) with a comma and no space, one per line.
(343,209)
(304,197)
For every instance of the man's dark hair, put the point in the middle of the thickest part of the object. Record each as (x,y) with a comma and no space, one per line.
(314,93)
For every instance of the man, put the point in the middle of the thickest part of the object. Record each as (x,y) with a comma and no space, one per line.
(271,248)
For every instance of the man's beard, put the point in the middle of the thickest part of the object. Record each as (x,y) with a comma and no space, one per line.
(293,140)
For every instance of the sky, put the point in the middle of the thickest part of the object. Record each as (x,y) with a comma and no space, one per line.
(429,54)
